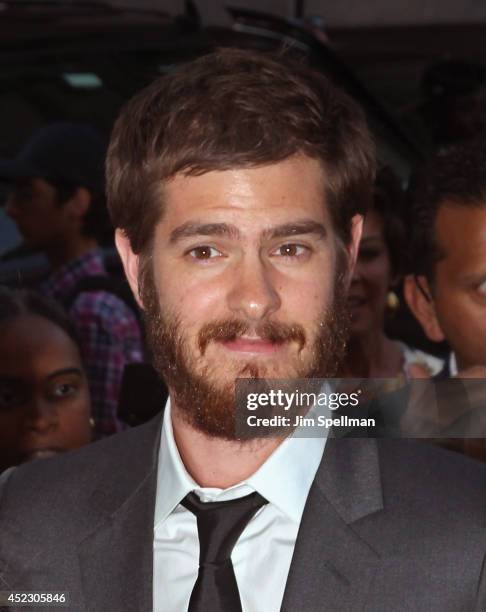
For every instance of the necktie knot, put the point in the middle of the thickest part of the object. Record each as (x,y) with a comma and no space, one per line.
(220,524)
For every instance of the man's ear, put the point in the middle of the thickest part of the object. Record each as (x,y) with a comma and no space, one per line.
(352,247)
(418,296)
(130,262)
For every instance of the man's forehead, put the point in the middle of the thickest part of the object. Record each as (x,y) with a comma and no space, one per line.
(460,230)
(293,187)
(457,222)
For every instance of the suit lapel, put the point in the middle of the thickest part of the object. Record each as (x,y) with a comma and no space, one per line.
(332,566)
(116,558)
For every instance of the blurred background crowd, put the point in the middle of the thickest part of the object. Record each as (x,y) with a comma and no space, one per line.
(73,362)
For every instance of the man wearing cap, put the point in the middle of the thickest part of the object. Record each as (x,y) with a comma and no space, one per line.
(57,201)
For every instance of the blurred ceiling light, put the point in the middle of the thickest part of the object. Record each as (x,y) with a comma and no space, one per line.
(82,80)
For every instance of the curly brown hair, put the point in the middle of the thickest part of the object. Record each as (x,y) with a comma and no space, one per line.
(456,175)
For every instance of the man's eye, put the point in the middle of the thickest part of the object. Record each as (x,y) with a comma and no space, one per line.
(291,250)
(204,252)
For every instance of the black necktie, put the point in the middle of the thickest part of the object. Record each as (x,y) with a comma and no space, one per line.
(219,526)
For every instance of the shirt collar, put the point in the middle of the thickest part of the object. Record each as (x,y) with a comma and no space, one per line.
(286,476)
(173,480)
(284,479)
(452,364)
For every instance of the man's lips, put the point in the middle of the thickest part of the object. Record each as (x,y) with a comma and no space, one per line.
(251,345)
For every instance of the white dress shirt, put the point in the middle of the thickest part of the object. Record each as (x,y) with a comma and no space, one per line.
(261,557)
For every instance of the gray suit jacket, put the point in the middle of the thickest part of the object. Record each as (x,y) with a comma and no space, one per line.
(389,526)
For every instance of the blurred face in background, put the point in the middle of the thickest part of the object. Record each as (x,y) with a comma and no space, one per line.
(371,280)
(44,398)
(456,306)
(34,207)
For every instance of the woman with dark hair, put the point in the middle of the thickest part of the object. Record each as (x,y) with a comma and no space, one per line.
(371,354)
(44,397)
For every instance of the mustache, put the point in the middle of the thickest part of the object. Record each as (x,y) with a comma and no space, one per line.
(230,329)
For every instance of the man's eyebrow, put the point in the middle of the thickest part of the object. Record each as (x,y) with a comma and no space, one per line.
(64,372)
(190,229)
(296,228)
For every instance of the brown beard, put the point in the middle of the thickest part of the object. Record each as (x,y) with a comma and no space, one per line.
(201,402)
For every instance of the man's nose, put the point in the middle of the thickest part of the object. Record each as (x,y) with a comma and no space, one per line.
(254,294)
(357,273)
(42,415)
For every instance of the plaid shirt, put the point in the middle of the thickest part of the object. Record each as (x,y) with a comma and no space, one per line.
(109,333)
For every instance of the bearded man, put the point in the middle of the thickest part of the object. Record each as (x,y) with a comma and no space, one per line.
(238,185)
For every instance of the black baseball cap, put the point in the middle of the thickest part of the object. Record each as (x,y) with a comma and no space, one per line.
(67,152)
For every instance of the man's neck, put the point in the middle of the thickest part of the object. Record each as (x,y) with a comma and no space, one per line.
(62,253)
(213,462)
